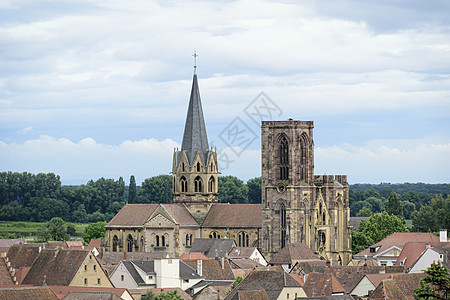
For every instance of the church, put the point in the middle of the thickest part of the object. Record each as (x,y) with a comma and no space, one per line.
(297,206)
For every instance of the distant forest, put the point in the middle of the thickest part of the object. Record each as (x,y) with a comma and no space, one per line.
(40,197)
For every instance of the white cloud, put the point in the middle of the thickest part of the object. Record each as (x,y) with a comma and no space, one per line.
(78,162)
(387,161)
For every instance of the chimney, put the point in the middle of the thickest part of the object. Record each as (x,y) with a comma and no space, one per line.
(200,267)
(443,235)
(222,262)
(124,256)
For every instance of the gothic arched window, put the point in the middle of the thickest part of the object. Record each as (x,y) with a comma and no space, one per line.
(183,184)
(198,184)
(214,235)
(115,243)
(243,239)
(157,241)
(130,243)
(211,184)
(284,159)
(303,157)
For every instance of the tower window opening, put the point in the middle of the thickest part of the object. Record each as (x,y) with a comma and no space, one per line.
(198,185)
(284,159)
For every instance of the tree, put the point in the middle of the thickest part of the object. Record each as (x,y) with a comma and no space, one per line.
(377,228)
(232,190)
(94,231)
(56,229)
(394,205)
(132,190)
(433,217)
(254,190)
(364,212)
(436,285)
(170,295)
(156,189)
(71,231)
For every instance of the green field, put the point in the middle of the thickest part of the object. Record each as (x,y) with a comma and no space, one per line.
(28,230)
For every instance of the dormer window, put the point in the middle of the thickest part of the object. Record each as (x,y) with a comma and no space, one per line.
(373,249)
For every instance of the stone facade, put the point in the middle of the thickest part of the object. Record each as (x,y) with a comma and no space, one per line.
(298,206)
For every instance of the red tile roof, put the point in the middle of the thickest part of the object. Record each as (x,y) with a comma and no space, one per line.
(180,214)
(58,267)
(193,255)
(350,276)
(20,293)
(94,243)
(22,255)
(62,291)
(293,253)
(5,276)
(399,239)
(133,215)
(322,284)
(242,252)
(233,216)
(212,269)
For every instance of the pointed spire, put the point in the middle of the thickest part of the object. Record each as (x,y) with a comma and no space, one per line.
(195,138)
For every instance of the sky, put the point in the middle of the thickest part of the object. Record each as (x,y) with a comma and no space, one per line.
(92,89)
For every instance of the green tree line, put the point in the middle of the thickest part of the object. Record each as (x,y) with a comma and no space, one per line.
(41,197)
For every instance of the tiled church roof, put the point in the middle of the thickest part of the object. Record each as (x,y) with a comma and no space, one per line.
(133,215)
(234,215)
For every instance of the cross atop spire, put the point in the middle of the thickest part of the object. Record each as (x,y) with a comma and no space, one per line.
(195,61)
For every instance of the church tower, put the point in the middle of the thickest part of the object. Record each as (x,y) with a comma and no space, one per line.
(298,207)
(195,169)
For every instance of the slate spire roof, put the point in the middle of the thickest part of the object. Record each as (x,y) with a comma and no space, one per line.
(195,138)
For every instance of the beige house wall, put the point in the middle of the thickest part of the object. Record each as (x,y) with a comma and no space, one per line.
(91,274)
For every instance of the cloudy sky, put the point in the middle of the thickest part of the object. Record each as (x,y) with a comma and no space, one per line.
(92,89)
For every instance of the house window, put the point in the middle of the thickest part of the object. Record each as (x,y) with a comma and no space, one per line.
(186,280)
(90,256)
(95,268)
(122,277)
(198,184)
(163,241)
(98,281)
(198,167)
(182,166)
(183,184)
(150,277)
(85,281)
(284,159)
(115,244)
(85,267)
(373,250)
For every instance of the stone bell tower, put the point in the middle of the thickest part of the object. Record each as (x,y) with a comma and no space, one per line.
(299,207)
(195,169)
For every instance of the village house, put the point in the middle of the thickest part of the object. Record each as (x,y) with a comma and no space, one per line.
(66,267)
